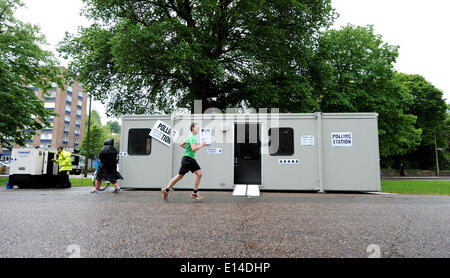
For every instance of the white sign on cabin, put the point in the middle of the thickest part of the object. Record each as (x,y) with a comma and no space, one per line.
(24,153)
(288,161)
(206,136)
(163,133)
(307,140)
(341,139)
(214,151)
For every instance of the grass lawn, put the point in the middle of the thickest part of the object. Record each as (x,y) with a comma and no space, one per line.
(75,182)
(416,187)
(391,186)
(81,181)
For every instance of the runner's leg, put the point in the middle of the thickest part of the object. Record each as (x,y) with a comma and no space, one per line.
(174,181)
(198,176)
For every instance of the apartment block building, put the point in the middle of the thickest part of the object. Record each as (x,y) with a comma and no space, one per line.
(68,126)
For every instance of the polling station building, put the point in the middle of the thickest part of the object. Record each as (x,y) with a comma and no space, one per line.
(300,152)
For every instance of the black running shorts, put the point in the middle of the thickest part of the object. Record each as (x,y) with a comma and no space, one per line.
(188,164)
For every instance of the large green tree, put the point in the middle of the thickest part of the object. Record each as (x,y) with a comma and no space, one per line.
(145,56)
(96,138)
(23,64)
(95,118)
(114,126)
(430,109)
(353,72)
(446,135)
(427,104)
(98,134)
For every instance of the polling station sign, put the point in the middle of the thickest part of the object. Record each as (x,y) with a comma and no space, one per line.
(341,139)
(163,133)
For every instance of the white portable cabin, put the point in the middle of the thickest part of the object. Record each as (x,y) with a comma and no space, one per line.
(35,168)
(299,152)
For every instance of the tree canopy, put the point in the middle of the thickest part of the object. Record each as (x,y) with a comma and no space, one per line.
(153,56)
(353,72)
(430,109)
(114,126)
(96,138)
(95,118)
(98,134)
(23,64)
(427,104)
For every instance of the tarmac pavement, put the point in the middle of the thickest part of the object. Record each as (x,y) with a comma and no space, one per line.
(136,223)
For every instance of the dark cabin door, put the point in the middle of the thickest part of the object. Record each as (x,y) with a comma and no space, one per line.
(247,153)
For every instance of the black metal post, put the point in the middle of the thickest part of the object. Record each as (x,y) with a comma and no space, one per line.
(87,139)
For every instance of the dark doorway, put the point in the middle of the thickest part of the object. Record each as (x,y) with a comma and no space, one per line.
(247,153)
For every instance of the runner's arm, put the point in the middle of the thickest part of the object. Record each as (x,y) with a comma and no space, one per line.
(183,145)
(198,147)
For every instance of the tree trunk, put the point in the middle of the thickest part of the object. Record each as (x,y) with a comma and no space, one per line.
(200,89)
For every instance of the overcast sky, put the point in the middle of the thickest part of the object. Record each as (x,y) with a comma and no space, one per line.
(419,27)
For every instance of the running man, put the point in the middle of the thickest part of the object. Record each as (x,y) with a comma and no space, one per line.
(188,163)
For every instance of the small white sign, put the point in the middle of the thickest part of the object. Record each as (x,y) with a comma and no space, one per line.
(206,136)
(214,151)
(123,154)
(174,135)
(341,139)
(162,132)
(307,140)
(291,161)
(24,153)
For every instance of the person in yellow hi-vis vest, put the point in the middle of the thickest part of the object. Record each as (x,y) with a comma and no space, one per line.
(65,165)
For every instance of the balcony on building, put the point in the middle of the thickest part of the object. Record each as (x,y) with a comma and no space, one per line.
(69,90)
(66,119)
(50,106)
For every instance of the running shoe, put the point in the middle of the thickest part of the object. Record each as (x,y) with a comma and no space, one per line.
(95,191)
(164,193)
(116,189)
(197,196)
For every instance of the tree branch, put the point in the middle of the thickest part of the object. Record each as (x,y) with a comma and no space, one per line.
(1,14)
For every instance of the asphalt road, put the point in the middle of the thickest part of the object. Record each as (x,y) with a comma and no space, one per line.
(49,222)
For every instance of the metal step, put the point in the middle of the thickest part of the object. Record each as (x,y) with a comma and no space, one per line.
(246,190)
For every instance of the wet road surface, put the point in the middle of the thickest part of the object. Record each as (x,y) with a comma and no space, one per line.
(135,223)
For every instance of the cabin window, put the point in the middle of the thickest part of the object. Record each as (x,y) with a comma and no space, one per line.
(139,141)
(75,160)
(281,141)
(247,136)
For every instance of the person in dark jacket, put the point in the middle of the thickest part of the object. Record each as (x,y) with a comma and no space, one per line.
(107,167)
(402,170)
